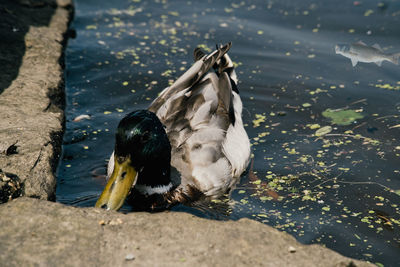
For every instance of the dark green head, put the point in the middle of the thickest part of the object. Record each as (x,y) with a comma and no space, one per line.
(141,136)
(142,157)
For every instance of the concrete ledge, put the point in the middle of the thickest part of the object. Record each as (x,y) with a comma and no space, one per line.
(41,233)
(32,91)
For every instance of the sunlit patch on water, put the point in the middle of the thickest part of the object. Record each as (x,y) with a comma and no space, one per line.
(325,135)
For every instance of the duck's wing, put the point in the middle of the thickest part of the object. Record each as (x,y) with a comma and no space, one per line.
(199,112)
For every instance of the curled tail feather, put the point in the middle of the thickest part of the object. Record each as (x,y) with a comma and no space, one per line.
(192,75)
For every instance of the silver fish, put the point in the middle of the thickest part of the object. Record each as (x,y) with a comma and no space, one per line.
(360,52)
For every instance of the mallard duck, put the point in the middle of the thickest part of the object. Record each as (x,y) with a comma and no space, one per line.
(189,144)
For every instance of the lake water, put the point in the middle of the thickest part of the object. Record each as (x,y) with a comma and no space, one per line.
(324,134)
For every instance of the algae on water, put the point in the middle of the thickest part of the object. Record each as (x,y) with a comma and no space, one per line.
(342,117)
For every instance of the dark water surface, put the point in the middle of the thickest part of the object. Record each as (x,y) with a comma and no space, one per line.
(340,189)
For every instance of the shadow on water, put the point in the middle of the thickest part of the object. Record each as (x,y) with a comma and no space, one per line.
(16,17)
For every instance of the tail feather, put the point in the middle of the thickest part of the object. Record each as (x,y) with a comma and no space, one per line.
(225,64)
(198,54)
(199,68)
(215,56)
(193,74)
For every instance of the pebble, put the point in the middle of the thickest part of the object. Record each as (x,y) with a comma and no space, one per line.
(291,249)
(116,221)
(130,257)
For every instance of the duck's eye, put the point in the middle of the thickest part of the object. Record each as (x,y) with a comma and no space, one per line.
(121,159)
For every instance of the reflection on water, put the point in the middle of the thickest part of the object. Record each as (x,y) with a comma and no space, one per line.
(324,134)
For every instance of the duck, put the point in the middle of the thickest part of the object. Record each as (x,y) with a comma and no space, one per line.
(189,144)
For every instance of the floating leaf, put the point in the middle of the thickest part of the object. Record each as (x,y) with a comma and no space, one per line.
(259,119)
(314,126)
(365,220)
(342,117)
(323,131)
(368,12)
(91,27)
(326,208)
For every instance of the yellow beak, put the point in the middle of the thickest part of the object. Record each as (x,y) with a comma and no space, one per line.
(119,185)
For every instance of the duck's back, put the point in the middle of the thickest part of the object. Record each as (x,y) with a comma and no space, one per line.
(202,115)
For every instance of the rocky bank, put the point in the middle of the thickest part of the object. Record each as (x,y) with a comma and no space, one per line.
(37,232)
(32,91)
(42,233)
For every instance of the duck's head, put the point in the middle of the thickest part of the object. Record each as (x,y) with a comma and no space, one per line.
(142,157)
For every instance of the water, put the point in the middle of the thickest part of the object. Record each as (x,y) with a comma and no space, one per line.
(340,189)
